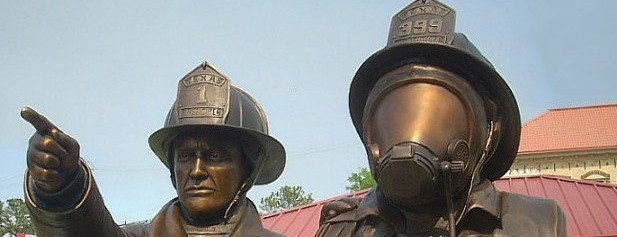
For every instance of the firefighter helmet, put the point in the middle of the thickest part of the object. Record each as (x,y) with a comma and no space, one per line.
(206,101)
(423,33)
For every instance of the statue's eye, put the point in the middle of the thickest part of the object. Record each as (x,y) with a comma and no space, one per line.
(215,155)
(185,155)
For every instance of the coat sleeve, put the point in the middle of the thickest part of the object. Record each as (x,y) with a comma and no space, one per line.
(342,225)
(77,210)
(560,228)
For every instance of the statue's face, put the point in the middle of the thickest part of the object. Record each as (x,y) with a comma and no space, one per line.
(208,172)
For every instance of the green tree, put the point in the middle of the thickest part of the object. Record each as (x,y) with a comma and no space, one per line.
(287,197)
(15,218)
(362,179)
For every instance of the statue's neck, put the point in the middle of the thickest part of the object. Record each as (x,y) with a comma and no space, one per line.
(210,220)
(215,225)
(219,230)
(424,217)
(428,216)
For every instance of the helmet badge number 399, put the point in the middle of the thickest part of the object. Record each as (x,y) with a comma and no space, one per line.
(424,21)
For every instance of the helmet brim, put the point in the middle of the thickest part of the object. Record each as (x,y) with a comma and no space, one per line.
(271,158)
(481,75)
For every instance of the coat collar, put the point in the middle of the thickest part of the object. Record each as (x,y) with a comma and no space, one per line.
(483,197)
(244,222)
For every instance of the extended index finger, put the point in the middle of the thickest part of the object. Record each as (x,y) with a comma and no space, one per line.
(40,123)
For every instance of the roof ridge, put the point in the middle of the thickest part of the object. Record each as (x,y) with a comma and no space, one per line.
(536,118)
(562,178)
(589,148)
(584,107)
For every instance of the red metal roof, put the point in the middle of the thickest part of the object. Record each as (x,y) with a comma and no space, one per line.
(301,221)
(590,207)
(590,127)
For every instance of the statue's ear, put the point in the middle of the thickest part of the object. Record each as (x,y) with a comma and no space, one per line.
(495,126)
(495,137)
(173,180)
(372,151)
(171,163)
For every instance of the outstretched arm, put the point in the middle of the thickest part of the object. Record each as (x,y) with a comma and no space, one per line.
(60,191)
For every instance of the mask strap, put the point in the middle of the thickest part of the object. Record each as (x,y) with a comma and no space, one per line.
(446,169)
(476,172)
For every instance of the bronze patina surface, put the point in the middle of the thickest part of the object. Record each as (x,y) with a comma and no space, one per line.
(215,143)
(439,124)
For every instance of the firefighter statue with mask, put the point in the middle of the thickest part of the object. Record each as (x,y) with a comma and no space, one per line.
(439,124)
(215,144)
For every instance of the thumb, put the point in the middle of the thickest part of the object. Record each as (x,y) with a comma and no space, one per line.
(67,142)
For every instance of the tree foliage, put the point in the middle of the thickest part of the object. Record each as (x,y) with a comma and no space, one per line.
(362,179)
(15,218)
(287,197)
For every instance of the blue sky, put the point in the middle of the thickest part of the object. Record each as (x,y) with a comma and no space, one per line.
(106,73)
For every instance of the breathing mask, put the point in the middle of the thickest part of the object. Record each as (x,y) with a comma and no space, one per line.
(424,129)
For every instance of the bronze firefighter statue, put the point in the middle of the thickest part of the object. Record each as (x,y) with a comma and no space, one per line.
(215,144)
(439,124)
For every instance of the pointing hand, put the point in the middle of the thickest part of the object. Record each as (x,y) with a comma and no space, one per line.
(53,156)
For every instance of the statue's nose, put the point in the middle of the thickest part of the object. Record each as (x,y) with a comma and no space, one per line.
(199,169)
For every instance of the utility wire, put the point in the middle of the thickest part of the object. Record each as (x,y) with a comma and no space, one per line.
(11,177)
(322,149)
(152,168)
(9,186)
(128,169)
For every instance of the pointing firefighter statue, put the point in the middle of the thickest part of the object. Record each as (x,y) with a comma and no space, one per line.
(215,144)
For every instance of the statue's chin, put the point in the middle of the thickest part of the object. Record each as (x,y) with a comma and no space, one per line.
(200,211)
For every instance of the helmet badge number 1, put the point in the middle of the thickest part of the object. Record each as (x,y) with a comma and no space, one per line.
(202,83)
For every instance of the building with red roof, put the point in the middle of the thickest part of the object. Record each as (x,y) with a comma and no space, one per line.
(590,207)
(578,142)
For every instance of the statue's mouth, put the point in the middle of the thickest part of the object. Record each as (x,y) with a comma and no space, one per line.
(200,191)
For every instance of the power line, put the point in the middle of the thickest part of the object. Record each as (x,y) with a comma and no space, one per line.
(291,155)
(322,149)
(9,186)
(11,177)
(127,169)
